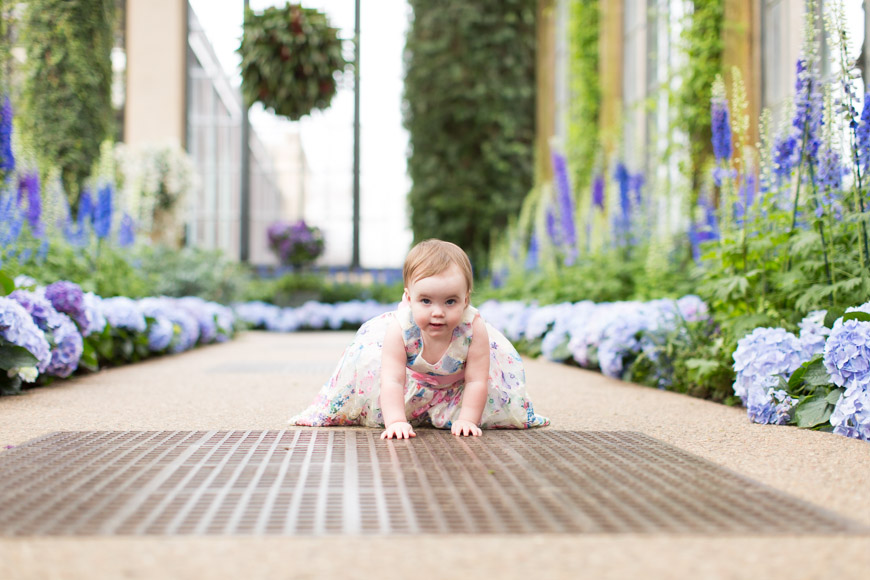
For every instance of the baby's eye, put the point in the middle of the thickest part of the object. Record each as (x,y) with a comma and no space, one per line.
(425,301)
(451,302)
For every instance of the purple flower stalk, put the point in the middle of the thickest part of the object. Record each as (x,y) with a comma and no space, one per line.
(598,192)
(7,159)
(863,135)
(126,231)
(532,255)
(829,173)
(784,156)
(808,109)
(721,127)
(103,212)
(28,187)
(565,200)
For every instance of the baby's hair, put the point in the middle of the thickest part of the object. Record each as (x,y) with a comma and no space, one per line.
(431,257)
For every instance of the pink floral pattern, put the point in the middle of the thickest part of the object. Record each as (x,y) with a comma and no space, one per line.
(433,392)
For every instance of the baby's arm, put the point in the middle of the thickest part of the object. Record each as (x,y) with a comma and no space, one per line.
(393,385)
(476,381)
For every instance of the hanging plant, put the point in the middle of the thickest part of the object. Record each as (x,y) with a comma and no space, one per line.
(290,59)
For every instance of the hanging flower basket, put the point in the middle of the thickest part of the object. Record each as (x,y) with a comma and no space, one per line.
(290,59)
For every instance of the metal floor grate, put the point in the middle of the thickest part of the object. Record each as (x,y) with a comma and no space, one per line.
(349,481)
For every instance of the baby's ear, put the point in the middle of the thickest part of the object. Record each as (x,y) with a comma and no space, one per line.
(406,296)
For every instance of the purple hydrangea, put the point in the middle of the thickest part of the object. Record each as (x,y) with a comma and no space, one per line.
(63,336)
(847,354)
(67,297)
(762,357)
(123,313)
(160,334)
(18,327)
(295,244)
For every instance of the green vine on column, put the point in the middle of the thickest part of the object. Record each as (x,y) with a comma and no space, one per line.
(703,44)
(585,102)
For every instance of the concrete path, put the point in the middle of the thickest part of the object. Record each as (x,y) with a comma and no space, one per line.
(259,379)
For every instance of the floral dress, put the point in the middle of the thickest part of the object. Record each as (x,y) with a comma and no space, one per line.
(433,392)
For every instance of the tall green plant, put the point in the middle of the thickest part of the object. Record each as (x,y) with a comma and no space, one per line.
(470,114)
(66,98)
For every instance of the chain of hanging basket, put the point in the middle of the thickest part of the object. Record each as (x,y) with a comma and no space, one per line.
(290,59)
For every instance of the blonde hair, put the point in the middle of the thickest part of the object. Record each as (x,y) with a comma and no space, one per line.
(431,257)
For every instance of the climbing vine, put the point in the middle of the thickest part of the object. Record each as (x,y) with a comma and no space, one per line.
(585,103)
(703,45)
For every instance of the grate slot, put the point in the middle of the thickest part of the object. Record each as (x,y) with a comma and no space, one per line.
(349,481)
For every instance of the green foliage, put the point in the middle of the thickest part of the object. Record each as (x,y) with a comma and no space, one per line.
(470,114)
(208,274)
(290,56)
(817,397)
(583,109)
(66,97)
(295,289)
(702,40)
(605,276)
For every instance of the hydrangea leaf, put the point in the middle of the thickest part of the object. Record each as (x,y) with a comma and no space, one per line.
(834,396)
(856,315)
(13,356)
(833,314)
(813,411)
(816,374)
(7,284)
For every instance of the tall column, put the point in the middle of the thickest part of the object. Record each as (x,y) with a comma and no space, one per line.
(155,106)
(741,37)
(610,71)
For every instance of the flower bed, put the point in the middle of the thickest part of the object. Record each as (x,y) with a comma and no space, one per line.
(53,331)
(819,379)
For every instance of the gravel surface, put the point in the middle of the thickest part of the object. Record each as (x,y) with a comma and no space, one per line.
(258,380)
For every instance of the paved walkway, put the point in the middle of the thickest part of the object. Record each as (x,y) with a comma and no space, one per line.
(259,379)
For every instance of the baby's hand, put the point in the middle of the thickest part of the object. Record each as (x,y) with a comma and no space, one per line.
(465,428)
(399,430)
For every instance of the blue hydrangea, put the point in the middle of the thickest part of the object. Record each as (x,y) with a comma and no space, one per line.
(123,313)
(166,308)
(160,334)
(620,340)
(96,321)
(847,354)
(851,416)
(762,357)
(813,334)
(313,315)
(558,336)
(693,309)
(769,406)
(18,327)
(256,314)
(204,314)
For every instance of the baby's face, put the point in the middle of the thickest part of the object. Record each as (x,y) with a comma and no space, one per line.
(437,302)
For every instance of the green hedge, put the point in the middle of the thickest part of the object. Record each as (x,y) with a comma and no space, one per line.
(66,109)
(470,113)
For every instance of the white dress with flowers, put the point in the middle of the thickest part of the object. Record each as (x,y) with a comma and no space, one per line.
(433,392)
